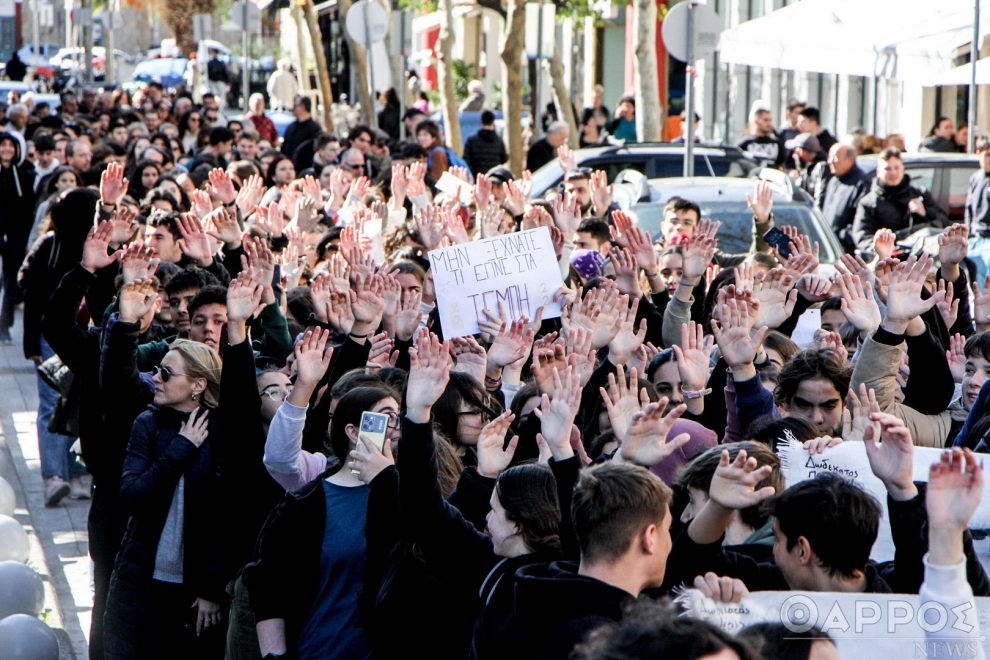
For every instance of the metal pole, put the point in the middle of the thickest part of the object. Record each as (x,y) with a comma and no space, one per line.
(974,54)
(689,94)
(400,84)
(246,45)
(538,88)
(35,39)
(372,115)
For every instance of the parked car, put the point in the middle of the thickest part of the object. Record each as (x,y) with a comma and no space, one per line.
(654,159)
(946,176)
(724,199)
(168,71)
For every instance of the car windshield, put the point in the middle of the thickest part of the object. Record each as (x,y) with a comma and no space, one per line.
(735,235)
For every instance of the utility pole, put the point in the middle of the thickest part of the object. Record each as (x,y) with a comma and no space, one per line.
(689,94)
(246,46)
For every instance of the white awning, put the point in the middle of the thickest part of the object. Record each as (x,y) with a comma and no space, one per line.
(902,39)
(961,75)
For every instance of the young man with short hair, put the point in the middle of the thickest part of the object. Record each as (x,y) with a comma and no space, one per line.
(621,517)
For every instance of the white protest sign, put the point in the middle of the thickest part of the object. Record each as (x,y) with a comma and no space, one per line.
(849,460)
(807,326)
(371,239)
(863,626)
(455,187)
(518,271)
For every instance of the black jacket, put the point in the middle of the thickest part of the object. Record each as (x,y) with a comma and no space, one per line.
(540,153)
(977,213)
(19,199)
(554,610)
(839,200)
(157,456)
(298,132)
(887,207)
(937,144)
(484,150)
(768,148)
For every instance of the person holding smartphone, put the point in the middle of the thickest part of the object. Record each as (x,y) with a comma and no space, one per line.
(311,559)
(894,203)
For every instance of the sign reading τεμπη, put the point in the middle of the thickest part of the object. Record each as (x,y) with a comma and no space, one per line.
(516,273)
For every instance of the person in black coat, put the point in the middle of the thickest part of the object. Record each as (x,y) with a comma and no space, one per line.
(166,595)
(544,150)
(838,197)
(388,116)
(302,130)
(485,149)
(16,69)
(17,191)
(893,203)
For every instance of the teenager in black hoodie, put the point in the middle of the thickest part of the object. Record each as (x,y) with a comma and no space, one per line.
(485,149)
(16,217)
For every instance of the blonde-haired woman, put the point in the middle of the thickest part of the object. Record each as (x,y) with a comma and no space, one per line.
(166,595)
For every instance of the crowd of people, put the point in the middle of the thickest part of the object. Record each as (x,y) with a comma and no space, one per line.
(214,310)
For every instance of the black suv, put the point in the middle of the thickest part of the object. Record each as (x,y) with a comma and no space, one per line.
(654,159)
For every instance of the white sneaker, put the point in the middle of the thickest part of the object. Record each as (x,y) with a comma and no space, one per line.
(78,490)
(56,488)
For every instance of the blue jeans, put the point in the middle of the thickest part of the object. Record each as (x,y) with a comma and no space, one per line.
(979,254)
(56,459)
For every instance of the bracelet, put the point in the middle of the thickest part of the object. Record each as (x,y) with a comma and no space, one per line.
(686,283)
(695,394)
(229,204)
(354,336)
(105,204)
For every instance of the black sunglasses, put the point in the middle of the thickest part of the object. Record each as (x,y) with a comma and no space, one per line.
(165,373)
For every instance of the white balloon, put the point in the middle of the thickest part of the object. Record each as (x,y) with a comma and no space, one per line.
(13,540)
(8,500)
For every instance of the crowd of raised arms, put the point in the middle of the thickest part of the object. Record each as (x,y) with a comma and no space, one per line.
(229,312)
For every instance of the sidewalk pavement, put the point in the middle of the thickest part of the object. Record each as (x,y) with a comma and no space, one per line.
(58,536)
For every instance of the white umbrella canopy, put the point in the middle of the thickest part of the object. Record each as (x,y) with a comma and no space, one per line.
(899,39)
(961,75)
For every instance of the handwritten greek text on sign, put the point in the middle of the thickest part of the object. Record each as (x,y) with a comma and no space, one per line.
(516,273)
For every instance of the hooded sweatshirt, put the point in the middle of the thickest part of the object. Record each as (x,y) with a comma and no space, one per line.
(484,150)
(17,193)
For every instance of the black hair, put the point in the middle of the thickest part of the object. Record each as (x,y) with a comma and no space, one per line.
(306,104)
(808,364)
(487,117)
(837,517)
(358,131)
(348,411)
(811,112)
(978,345)
(430,127)
(528,493)
(462,389)
(597,227)
(192,277)
(780,641)
(214,294)
(220,134)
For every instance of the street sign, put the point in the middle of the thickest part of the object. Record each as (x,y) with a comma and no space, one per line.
(202,26)
(707,28)
(367,22)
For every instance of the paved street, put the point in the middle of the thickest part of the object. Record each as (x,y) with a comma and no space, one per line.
(58,536)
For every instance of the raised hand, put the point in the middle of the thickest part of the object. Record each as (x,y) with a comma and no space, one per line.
(637,240)
(429,371)
(244,297)
(96,246)
(113,185)
(125,224)
(250,194)
(270,220)
(494,456)
(698,255)
(482,191)
(137,262)
(515,198)
(601,192)
(626,338)
(311,189)
(955,488)
(948,306)
(567,214)
(470,357)
(737,344)
(381,354)
(339,313)
(367,304)
(814,288)
(722,589)
(490,220)
(856,416)
(762,204)
(953,245)
(221,187)
(891,460)
(858,304)
(398,185)
(226,229)
(557,413)
(819,445)
(775,297)
(622,400)
(201,203)
(312,361)
(626,272)
(195,243)
(956,357)
(196,427)
(305,214)
(853,264)
(512,343)
(366,461)
(734,482)
(694,358)
(904,300)
(645,441)
(883,243)
(981,304)
(136,299)
(431,227)
(566,158)
(410,313)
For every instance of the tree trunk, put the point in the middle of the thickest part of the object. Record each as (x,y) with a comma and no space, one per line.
(649,114)
(359,68)
(445,79)
(562,96)
(178,15)
(512,50)
(297,19)
(322,74)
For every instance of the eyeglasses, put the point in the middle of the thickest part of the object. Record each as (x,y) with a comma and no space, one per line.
(165,373)
(275,393)
(393,419)
(195,120)
(485,415)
